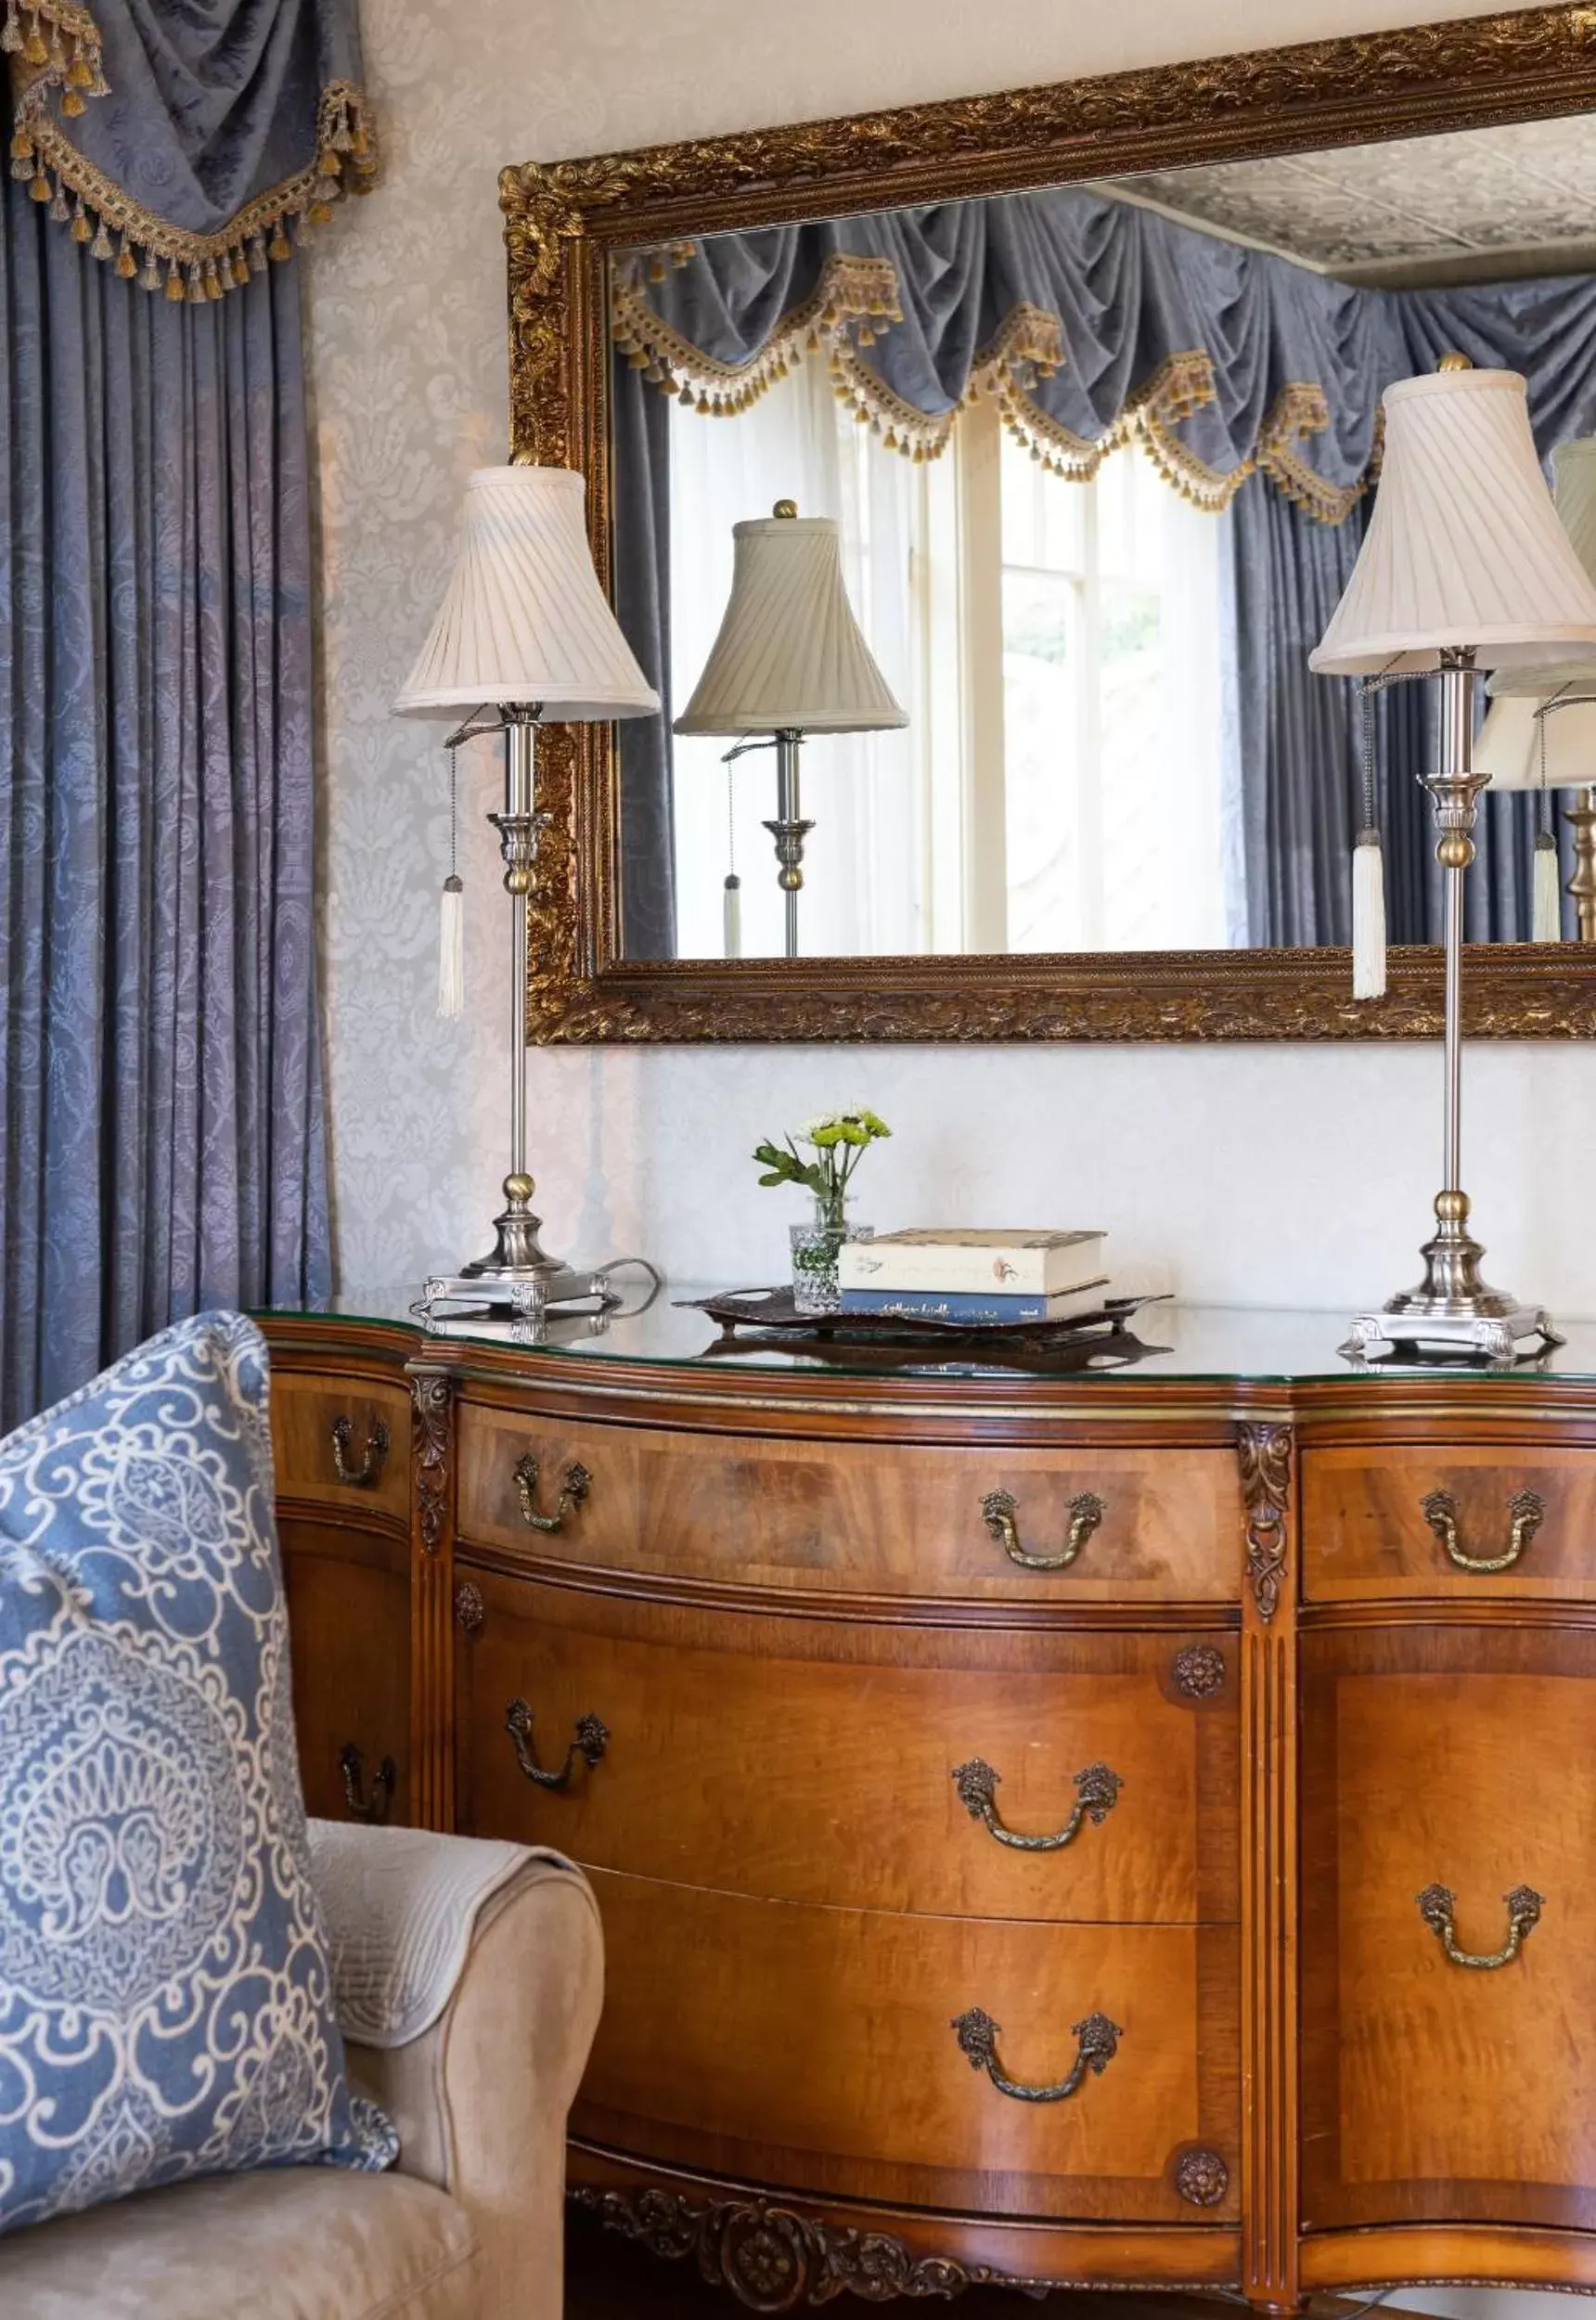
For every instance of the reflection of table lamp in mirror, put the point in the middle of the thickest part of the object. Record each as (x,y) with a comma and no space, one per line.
(523,633)
(1541,732)
(790,660)
(1464,566)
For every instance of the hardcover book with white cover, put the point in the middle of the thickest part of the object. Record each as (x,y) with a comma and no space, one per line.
(966,1259)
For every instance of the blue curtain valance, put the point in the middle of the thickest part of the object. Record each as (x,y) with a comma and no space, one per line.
(181,144)
(1092,322)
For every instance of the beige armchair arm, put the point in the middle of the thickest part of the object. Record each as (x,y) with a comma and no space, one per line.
(479,2093)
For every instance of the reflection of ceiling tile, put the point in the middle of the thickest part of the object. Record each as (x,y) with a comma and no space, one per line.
(1417,208)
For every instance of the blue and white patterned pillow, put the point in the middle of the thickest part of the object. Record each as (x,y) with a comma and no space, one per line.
(165,1993)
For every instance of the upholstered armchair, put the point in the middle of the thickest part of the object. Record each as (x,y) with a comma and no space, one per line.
(469,1977)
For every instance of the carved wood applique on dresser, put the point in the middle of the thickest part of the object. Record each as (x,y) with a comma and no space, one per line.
(1129,1830)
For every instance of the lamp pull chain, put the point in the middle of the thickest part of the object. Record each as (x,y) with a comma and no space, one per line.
(1369,860)
(731,899)
(452,919)
(1546,893)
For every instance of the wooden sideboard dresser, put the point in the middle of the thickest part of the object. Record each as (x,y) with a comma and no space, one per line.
(1128,1828)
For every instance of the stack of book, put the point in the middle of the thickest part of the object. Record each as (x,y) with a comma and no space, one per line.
(975,1276)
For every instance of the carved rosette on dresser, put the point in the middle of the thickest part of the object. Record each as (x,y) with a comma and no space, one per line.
(938,1750)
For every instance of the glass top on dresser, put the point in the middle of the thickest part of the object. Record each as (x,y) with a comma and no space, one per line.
(1169,1341)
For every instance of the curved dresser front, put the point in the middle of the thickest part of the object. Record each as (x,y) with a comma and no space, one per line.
(1128,1829)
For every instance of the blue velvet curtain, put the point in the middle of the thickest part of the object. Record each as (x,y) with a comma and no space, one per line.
(1082,311)
(162,1131)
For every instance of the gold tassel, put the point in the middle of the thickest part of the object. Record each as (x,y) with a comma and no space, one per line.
(40,189)
(279,246)
(71,104)
(12,37)
(34,48)
(126,263)
(241,270)
(151,278)
(81,75)
(174,284)
(101,247)
(81,229)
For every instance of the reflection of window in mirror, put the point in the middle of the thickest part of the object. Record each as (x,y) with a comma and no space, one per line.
(1058,646)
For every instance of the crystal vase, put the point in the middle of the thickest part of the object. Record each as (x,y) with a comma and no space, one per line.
(814,1250)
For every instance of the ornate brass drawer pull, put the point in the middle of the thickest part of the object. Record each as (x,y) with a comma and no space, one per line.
(1526,1511)
(1096,2043)
(591,1740)
(366,1475)
(977,1784)
(372,1807)
(998,1510)
(572,1496)
(1437,1906)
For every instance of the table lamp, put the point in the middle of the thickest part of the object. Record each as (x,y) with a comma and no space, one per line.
(790,659)
(524,632)
(1540,731)
(1464,566)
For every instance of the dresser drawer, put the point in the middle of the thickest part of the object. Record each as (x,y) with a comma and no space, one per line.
(856,2081)
(813,1761)
(1136,1525)
(349,1613)
(1458,1520)
(344,1441)
(1449,1762)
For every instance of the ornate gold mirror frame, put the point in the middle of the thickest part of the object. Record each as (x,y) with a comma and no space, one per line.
(561,223)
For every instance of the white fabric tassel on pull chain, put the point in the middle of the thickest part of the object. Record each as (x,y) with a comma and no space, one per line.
(452,951)
(1546,918)
(1368,917)
(731,916)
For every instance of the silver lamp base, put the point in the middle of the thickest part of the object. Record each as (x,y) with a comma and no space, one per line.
(1451,1312)
(516,1273)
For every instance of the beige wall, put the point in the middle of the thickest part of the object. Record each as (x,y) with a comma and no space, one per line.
(1262,1175)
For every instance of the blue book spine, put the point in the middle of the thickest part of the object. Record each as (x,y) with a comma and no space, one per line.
(943,1304)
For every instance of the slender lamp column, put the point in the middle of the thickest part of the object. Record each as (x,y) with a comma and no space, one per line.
(1464,566)
(523,633)
(790,660)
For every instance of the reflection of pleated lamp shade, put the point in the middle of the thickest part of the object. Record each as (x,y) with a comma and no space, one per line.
(1463,549)
(789,656)
(524,619)
(1510,746)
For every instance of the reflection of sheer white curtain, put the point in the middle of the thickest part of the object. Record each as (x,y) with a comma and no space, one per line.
(862,869)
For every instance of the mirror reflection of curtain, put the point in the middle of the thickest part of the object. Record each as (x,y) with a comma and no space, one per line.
(642,521)
(1089,325)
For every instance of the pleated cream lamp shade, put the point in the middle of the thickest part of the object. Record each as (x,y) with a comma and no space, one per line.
(789,656)
(1508,747)
(523,618)
(1465,549)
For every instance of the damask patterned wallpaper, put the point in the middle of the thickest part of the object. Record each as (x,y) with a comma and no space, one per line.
(1258,1175)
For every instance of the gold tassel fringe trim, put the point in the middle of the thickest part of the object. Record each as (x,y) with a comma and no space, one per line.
(856,298)
(69,60)
(854,301)
(163,257)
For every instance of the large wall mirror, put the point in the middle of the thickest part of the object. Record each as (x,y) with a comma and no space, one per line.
(1085,385)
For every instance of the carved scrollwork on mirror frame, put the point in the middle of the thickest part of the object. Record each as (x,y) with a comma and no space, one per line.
(563,222)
